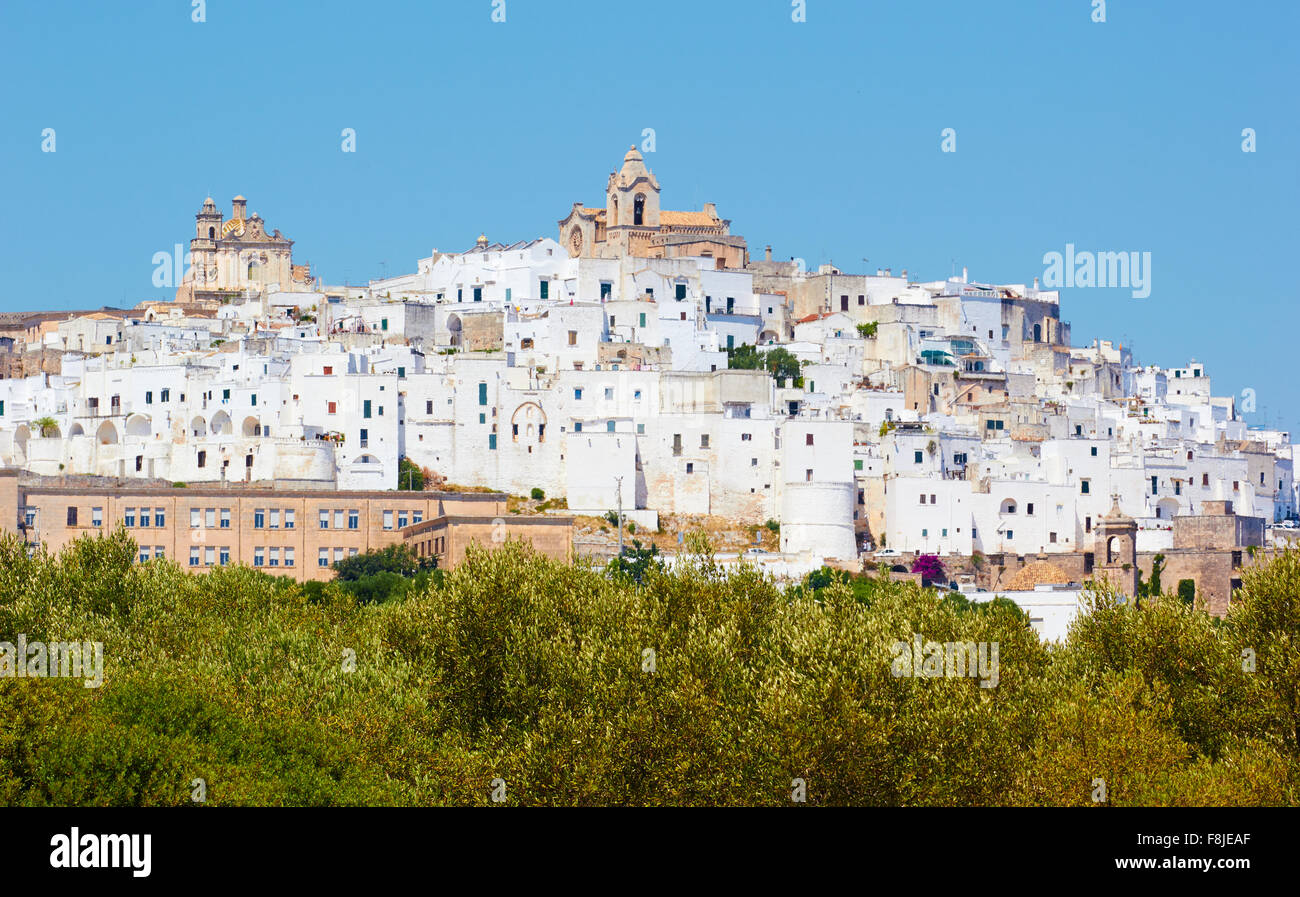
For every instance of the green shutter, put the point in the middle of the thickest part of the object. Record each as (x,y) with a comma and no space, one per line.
(482,393)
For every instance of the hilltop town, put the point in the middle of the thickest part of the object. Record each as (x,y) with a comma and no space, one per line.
(640,359)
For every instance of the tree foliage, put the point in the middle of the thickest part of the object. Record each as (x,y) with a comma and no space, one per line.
(699,685)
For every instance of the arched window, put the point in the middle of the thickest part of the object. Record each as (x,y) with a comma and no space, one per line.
(1038,333)
(212,233)
(638,210)
(252,270)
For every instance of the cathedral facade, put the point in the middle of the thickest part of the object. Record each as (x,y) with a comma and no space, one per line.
(632,223)
(231,255)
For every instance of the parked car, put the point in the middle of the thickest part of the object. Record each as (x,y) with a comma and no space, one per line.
(889,553)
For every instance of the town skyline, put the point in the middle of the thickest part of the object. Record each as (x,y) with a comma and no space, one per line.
(1158,170)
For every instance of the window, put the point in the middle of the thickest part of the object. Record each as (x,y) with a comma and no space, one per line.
(746,437)
(573,337)
(690,467)
(1029,509)
(383,323)
(323,557)
(403,519)
(482,394)
(577,395)
(195,558)
(1087,524)
(609,426)
(324,519)
(388,520)
(918,456)
(807,475)
(329,370)
(196,518)
(808,439)
(148,397)
(259,557)
(128,517)
(259,518)
(209,556)
(1094,451)
(417,517)
(338,518)
(922,498)
(365,408)
(544,289)
(857,463)
(159,552)
(96,516)
(203,459)
(1085,486)
(478,294)
(334,407)
(365,438)
(274,522)
(606,290)
(704,440)
(1205,479)
(159,518)
(225,518)
(289,517)
(273,557)
(354,519)
(224,555)
(288,557)
(1011,534)
(492,442)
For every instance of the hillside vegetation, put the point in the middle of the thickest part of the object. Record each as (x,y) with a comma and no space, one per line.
(522,678)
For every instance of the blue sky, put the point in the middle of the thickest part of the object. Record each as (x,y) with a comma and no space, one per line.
(821,138)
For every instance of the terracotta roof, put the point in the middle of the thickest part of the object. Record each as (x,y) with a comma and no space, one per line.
(686,219)
(1036,574)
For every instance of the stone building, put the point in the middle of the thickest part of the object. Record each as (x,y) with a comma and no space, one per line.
(292,533)
(231,255)
(633,224)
